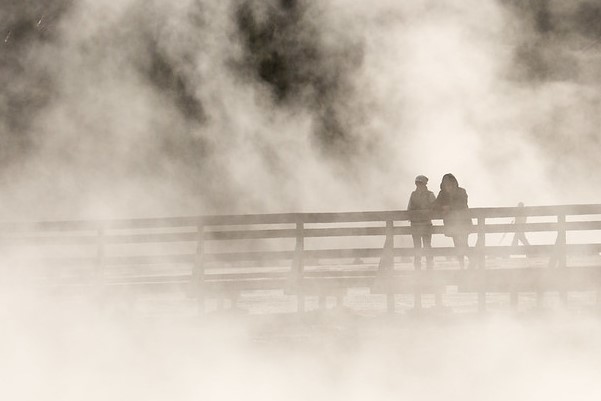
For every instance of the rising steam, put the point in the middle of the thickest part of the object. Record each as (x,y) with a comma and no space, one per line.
(114,108)
(133,108)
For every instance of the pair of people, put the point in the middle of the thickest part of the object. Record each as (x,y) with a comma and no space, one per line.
(452,202)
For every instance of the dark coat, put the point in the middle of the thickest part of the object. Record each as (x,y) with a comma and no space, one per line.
(456,219)
(421,200)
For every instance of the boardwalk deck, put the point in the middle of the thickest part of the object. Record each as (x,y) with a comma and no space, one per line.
(307,254)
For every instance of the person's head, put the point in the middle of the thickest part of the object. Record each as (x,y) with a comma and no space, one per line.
(521,204)
(421,181)
(449,183)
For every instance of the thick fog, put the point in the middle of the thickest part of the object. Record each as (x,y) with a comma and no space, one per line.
(131,108)
(74,353)
(148,108)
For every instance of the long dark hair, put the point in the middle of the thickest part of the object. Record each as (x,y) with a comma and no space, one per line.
(451,178)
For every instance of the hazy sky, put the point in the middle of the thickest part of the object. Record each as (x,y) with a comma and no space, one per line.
(144,108)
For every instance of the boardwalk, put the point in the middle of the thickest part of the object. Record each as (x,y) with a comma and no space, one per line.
(311,259)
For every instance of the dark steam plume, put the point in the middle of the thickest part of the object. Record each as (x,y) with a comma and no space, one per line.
(284,48)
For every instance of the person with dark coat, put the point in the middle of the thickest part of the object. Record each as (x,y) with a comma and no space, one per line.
(421,199)
(452,202)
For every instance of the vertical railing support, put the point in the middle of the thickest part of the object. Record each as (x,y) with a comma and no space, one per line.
(561,252)
(481,260)
(299,266)
(481,243)
(198,284)
(100,259)
(561,241)
(558,255)
(385,266)
(388,266)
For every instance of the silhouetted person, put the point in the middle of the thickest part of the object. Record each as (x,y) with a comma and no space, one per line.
(452,201)
(422,199)
(520,236)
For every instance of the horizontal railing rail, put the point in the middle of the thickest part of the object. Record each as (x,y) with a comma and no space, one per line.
(292,218)
(209,245)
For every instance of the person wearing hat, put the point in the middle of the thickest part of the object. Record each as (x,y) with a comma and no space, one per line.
(421,199)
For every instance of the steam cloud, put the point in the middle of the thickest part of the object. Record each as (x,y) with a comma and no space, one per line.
(144,108)
(138,108)
(73,354)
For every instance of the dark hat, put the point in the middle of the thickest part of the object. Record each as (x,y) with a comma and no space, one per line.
(421,178)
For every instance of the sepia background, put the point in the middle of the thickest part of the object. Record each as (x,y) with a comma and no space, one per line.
(130,108)
(121,108)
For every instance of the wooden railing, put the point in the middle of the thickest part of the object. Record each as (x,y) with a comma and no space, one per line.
(228,254)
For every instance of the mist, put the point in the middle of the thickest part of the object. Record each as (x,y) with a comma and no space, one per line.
(124,109)
(114,109)
(69,353)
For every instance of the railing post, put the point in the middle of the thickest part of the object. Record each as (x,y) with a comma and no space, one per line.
(481,259)
(558,255)
(100,256)
(561,240)
(388,264)
(481,243)
(561,252)
(385,266)
(198,274)
(299,265)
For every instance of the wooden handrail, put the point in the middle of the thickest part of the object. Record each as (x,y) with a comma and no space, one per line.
(251,227)
(91,238)
(207,252)
(289,218)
